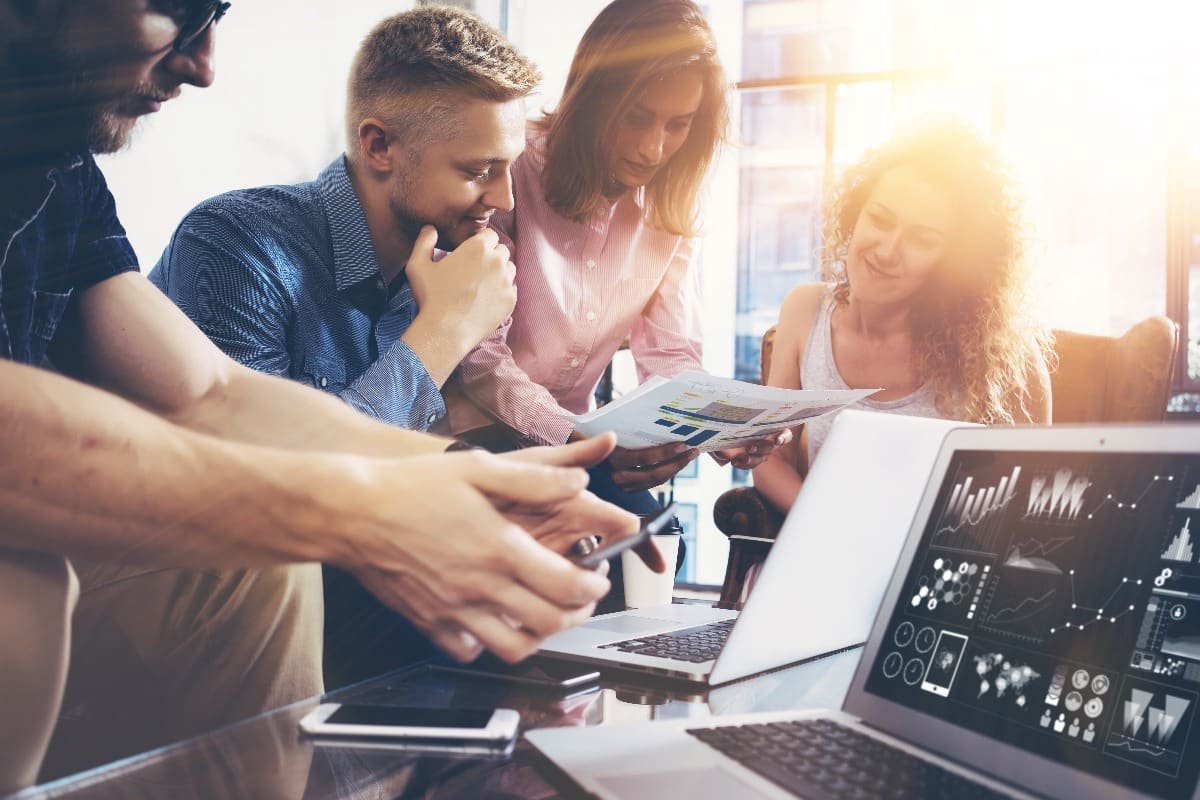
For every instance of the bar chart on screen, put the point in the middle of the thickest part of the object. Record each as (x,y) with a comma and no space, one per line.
(972,517)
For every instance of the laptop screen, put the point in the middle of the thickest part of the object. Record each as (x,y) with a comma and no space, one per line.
(1053,603)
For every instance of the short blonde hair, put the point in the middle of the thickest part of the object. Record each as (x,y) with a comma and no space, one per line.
(413,67)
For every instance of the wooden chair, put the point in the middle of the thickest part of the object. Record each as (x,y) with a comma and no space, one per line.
(1096,379)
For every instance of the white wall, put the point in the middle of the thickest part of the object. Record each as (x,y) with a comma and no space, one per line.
(548,31)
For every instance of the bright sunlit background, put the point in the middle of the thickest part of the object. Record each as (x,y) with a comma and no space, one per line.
(1096,104)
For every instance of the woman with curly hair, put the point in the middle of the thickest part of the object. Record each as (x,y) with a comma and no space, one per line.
(925,253)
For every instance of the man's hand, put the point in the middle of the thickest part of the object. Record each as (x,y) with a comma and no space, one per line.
(560,527)
(430,541)
(461,299)
(752,454)
(647,467)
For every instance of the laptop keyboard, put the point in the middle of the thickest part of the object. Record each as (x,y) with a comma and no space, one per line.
(819,758)
(699,644)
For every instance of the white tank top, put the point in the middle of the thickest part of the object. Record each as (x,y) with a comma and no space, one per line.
(818,371)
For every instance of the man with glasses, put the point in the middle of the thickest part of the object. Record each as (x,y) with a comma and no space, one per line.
(166,476)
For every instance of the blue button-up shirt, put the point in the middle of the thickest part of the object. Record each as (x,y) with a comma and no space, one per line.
(284,279)
(59,235)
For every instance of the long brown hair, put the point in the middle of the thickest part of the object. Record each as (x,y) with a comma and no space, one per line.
(972,338)
(629,45)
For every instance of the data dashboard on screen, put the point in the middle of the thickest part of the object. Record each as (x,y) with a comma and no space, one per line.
(1053,604)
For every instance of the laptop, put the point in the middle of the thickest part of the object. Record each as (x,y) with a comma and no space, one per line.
(1040,637)
(853,514)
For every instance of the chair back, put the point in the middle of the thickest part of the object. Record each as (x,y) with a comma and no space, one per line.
(768,344)
(1114,379)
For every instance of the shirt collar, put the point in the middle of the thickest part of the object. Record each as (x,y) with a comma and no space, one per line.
(27,187)
(353,251)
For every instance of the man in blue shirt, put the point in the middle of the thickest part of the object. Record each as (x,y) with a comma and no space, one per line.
(334,282)
(166,474)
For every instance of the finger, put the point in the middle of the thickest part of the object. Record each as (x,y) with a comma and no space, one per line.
(662,452)
(421,607)
(654,475)
(522,480)
(509,643)
(763,447)
(532,613)
(720,457)
(584,453)
(488,238)
(748,462)
(461,645)
(624,458)
(425,242)
(651,556)
(583,515)
(551,576)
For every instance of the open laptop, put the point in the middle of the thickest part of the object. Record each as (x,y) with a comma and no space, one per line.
(852,515)
(1040,636)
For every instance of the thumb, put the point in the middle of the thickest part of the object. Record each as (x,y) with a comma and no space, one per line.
(584,453)
(426,241)
(517,481)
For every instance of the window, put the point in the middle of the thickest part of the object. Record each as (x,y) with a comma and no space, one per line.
(1091,102)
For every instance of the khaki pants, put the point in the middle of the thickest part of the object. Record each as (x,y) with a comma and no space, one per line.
(138,657)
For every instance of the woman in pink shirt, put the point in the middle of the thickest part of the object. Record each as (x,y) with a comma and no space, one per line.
(606,200)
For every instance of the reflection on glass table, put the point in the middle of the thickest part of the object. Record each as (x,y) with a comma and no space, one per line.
(267,757)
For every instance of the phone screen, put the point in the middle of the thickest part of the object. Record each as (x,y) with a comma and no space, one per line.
(411,717)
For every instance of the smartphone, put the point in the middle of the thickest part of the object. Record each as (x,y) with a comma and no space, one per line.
(650,526)
(539,673)
(470,725)
(449,748)
(939,675)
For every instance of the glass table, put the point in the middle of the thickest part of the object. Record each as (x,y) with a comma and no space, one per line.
(266,757)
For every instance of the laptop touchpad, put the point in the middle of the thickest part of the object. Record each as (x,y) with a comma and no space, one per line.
(627,624)
(707,783)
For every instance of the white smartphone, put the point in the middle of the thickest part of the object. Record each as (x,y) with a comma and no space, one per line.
(406,722)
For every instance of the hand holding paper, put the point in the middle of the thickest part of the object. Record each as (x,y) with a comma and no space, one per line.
(708,413)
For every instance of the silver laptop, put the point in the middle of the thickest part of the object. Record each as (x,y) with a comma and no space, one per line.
(853,514)
(1040,637)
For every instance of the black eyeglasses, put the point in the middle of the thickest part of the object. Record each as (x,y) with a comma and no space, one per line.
(198,24)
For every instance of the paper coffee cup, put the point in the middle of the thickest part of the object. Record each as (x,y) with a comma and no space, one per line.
(644,588)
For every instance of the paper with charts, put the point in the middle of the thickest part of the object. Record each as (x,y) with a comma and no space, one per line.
(709,413)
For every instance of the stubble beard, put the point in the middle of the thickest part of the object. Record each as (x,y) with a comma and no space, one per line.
(410,223)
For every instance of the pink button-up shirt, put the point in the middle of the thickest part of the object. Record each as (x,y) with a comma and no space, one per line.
(582,288)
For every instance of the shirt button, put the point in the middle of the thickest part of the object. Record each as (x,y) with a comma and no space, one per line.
(380,285)
(432,419)
(591,316)
(591,263)
(324,381)
(574,362)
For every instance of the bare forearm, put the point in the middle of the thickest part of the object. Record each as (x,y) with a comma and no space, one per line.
(251,407)
(85,473)
(778,481)
(140,346)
